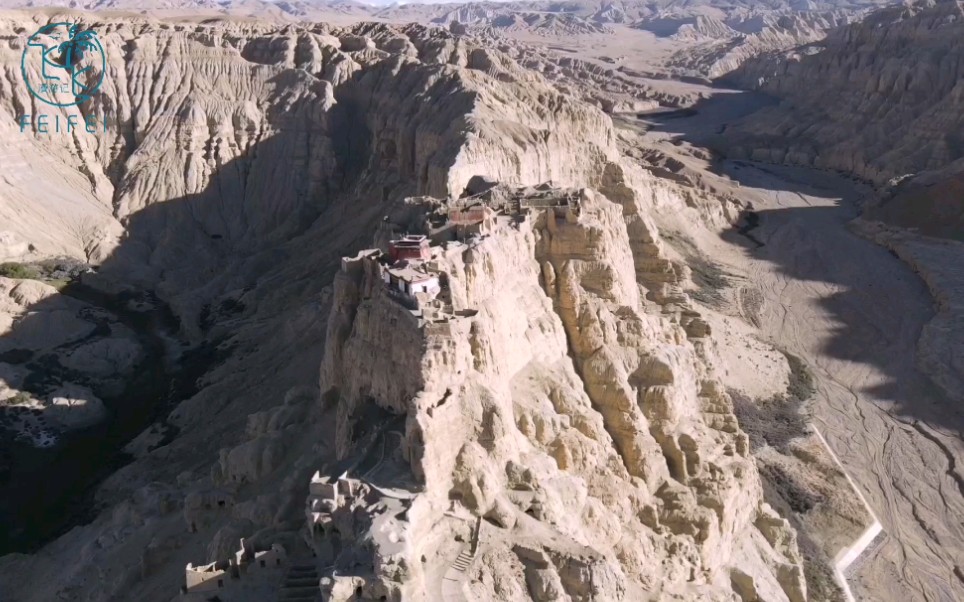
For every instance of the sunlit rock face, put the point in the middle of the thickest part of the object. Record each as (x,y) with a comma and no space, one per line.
(570,404)
(548,381)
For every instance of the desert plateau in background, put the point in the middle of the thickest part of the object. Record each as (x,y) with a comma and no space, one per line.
(552,301)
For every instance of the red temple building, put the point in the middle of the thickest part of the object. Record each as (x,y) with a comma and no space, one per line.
(410,246)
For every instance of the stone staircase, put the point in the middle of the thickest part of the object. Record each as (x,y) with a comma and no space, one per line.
(455,575)
(452,581)
(300,584)
(462,562)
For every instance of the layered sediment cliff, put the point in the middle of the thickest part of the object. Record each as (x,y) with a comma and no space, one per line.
(716,47)
(881,98)
(549,382)
(563,395)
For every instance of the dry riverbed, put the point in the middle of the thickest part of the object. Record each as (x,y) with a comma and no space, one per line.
(854,312)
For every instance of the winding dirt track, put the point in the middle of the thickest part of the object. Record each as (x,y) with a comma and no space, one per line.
(855,313)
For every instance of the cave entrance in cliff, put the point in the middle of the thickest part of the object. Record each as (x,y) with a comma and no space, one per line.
(368,418)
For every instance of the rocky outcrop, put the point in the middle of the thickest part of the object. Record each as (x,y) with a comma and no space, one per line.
(340,105)
(549,381)
(931,203)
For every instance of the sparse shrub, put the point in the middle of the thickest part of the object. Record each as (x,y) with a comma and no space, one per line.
(801,385)
(774,422)
(817,569)
(62,268)
(779,420)
(17,270)
(60,285)
(800,499)
(19,398)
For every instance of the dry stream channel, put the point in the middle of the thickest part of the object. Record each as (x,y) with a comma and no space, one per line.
(854,312)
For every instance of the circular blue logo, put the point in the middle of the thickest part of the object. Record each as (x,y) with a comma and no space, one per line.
(67,64)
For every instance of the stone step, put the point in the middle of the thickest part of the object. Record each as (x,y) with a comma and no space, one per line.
(301,582)
(300,592)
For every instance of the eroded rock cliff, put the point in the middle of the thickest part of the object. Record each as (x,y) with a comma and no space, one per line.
(551,378)
(881,98)
(565,394)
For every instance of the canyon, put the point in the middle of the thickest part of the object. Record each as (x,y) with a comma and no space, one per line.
(648,349)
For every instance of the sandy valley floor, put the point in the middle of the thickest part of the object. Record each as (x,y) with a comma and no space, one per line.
(854,312)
